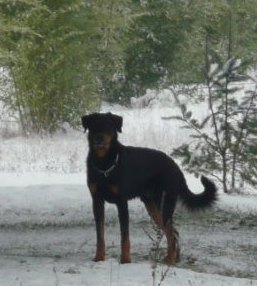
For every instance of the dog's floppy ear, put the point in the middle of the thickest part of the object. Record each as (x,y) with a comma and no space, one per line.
(118,120)
(85,120)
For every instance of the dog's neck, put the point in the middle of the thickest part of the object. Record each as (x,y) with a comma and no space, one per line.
(108,160)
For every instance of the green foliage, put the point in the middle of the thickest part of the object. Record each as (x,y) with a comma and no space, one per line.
(154,35)
(225,140)
(65,57)
(49,61)
(59,57)
(221,24)
(114,19)
(166,43)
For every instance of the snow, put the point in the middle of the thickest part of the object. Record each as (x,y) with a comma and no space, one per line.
(107,273)
(239,203)
(56,199)
(47,234)
(40,178)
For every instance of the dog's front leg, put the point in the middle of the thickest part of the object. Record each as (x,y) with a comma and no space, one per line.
(124,229)
(98,209)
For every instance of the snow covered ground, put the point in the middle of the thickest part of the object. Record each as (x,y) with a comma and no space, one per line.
(47,234)
(48,238)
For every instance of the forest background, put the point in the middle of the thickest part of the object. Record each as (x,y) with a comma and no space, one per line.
(62,58)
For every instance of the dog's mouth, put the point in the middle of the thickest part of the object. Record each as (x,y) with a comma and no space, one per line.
(101,149)
(101,143)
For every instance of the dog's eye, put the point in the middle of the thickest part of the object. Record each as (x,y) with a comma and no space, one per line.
(99,137)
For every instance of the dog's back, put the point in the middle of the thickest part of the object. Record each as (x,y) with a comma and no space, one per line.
(144,171)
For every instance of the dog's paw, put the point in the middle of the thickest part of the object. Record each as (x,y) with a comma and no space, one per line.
(170,260)
(124,259)
(98,258)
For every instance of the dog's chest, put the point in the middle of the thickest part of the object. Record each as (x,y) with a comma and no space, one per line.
(110,192)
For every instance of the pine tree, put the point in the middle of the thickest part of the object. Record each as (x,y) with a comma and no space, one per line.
(225,139)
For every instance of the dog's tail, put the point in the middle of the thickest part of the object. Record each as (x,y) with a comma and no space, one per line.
(199,201)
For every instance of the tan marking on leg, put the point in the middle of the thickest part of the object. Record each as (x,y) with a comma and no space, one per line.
(170,232)
(92,188)
(154,213)
(100,252)
(100,246)
(98,210)
(125,252)
(173,247)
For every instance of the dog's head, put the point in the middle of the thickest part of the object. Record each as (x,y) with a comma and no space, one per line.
(103,128)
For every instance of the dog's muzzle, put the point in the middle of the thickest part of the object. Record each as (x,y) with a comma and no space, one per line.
(101,145)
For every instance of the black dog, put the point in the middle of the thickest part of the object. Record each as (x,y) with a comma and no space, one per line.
(118,173)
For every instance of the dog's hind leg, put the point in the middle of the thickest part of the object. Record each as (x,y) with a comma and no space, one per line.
(162,216)
(167,207)
(173,252)
(124,230)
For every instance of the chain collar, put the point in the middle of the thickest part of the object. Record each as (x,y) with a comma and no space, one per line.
(107,172)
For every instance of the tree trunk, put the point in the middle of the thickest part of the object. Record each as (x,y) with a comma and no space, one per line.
(224,170)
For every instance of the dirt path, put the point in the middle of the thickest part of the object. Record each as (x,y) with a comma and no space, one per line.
(213,242)
(220,242)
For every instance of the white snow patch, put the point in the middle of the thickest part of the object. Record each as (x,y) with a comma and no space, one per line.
(31,273)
